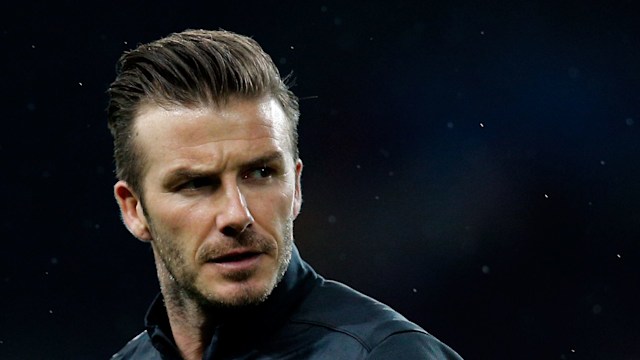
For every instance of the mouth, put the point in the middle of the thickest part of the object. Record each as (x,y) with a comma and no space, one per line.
(237,265)
(235,257)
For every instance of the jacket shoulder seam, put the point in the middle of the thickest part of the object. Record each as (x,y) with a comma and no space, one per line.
(365,344)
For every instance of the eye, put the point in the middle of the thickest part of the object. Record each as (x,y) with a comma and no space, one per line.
(196,183)
(263,172)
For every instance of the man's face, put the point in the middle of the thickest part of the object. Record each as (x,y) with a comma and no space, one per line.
(221,191)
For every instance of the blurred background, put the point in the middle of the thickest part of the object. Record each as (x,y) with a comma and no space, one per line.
(475,165)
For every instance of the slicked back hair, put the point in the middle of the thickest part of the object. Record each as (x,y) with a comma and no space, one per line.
(190,69)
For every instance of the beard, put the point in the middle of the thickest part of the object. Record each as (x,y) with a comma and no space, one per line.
(179,282)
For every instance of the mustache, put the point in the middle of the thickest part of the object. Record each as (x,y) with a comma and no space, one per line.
(247,239)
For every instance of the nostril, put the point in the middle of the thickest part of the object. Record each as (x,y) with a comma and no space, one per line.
(233,231)
(230,231)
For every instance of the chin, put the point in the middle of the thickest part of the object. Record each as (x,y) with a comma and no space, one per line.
(240,294)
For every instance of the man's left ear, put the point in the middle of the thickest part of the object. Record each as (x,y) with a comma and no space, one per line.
(297,201)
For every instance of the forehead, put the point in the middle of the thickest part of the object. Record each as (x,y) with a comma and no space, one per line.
(236,111)
(165,134)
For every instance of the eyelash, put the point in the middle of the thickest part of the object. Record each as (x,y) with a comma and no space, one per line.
(265,172)
(196,183)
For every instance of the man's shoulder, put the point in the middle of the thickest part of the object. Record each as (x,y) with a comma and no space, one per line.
(137,348)
(337,305)
(375,325)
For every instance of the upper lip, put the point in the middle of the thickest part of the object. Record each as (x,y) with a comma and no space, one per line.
(235,254)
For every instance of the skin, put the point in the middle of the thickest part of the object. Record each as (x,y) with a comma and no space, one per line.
(221,191)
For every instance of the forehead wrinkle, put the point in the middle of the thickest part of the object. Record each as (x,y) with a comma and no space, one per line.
(263,144)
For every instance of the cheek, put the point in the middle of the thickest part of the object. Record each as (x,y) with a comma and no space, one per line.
(271,211)
(183,221)
(183,212)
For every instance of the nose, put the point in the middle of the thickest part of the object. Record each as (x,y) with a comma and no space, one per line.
(235,216)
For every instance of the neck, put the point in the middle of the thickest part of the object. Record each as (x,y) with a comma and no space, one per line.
(191,323)
(190,326)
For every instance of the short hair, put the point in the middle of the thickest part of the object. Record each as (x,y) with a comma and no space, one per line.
(190,68)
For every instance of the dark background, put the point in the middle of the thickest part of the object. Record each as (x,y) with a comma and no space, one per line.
(475,165)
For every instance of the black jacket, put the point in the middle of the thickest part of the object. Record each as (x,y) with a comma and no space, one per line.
(306,317)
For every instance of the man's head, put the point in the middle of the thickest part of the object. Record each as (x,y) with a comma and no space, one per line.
(205,147)
(192,68)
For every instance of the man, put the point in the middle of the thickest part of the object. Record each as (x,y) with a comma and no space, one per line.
(205,144)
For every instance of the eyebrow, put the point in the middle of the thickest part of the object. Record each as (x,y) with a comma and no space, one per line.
(187,173)
(275,156)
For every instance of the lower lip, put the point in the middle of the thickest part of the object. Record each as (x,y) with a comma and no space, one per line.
(240,265)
